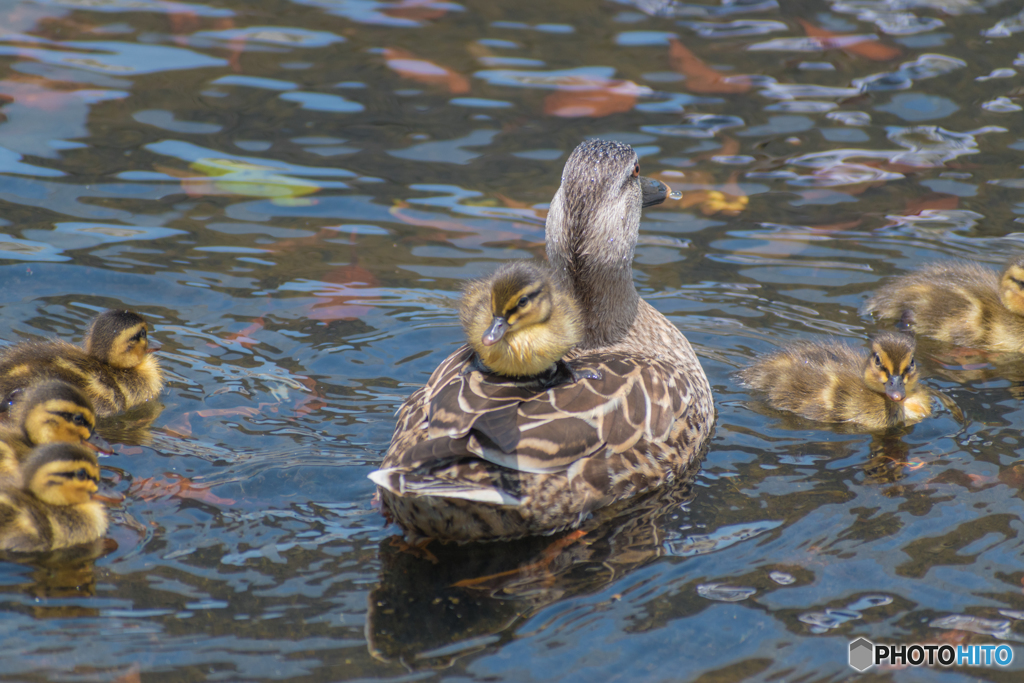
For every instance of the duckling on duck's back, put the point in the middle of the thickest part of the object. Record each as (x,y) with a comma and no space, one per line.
(46,412)
(478,456)
(115,370)
(959,303)
(518,320)
(53,508)
(832,382)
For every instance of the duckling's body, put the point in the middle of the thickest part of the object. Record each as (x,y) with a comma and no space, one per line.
(54,508)
(115,369)
(47,412)
(959,303)
(519,321)
(483,456)
(833,382)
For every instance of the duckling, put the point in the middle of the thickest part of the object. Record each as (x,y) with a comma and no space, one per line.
(47,412)
(479,456)
(518,321)
(959,303)
(115,370)
(832,382)
(54,507)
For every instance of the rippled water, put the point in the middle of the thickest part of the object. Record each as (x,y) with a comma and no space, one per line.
(293,193)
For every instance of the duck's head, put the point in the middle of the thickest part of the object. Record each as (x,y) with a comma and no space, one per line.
(592,228)
(61,474)
(1011,286)
(518,320)
(55,411)
(891,368)
(118,337)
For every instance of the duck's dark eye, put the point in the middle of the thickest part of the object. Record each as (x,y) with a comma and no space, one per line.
(78,420)
(878,361)
(82,475)
(636,170)
(523,301)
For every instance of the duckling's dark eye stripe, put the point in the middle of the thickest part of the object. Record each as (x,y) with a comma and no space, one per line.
(69,417)
(525,298)
(1019,283)
(74,475)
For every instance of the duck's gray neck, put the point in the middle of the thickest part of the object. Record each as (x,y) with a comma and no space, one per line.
(592,253)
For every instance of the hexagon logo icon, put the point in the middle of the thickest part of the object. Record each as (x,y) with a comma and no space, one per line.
(862,654)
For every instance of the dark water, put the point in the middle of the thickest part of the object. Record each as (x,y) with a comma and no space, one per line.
(293,193)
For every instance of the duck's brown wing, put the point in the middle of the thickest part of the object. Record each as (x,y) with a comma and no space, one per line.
(616,402)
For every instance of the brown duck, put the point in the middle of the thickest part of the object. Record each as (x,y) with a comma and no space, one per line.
(115,369)
(478,455)
(959,303)
(833,382)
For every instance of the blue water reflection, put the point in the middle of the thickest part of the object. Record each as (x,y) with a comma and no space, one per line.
(294,194)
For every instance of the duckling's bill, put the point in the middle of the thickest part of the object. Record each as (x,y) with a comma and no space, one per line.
(98,444)
(895,388)
(494,333)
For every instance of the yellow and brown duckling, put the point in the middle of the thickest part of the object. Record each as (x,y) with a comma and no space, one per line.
(959,303)
(833,382)
(46,412)
(482,456)
(519,320)
(53,508)
(115,369)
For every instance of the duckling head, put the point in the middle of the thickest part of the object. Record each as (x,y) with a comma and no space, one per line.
(519,321)
(55,411)
(891,368)
(118,337)
(61,474)
(1011,286)
(591,234)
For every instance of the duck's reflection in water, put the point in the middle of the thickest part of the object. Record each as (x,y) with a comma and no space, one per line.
(133,427)
(435,605)
(55,579)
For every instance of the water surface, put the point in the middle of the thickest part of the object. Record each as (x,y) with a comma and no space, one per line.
(293,193)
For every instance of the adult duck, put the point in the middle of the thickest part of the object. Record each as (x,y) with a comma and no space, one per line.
(481,456)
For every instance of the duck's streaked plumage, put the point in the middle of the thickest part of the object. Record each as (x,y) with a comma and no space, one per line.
(53,508)
(959,303)
(115,369)
(831,381)
(480,456)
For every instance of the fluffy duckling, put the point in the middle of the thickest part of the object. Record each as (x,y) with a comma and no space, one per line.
(959,303)
(54,507)
(47,412)
(519,322)
(115,370)
(480,456)
(832,382)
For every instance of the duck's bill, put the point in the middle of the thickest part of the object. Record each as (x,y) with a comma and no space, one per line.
(152,346)
(654,191)
(497,330)
(895,389)
(108,496)
(99,444)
